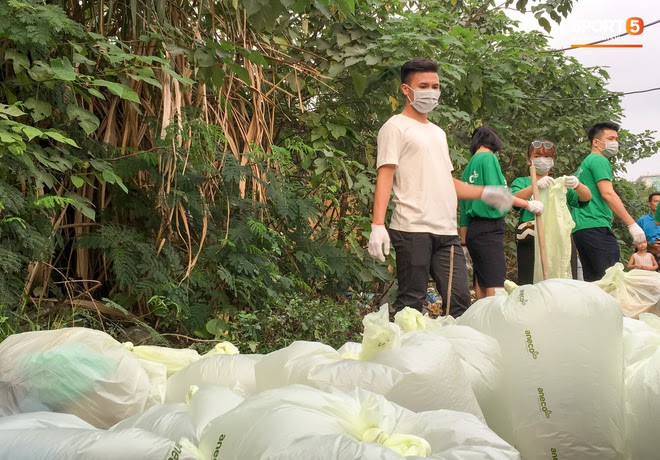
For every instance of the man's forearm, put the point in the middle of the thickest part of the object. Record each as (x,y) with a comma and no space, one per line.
(466,191)
(616,205)
(384,179)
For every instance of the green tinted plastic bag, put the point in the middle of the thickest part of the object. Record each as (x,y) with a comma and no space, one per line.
(557,227)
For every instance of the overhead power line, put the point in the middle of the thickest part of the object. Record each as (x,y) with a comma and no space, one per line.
(613,95)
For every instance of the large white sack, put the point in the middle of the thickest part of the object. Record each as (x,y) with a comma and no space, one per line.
(83,444)
(642,389)
(184,420)
(319,365)
(479,353)
(639,340)
(300,422)
(235,371)
(561,343)
(422,373)
(76,371)
(32,420)
(433,375)
(638,291)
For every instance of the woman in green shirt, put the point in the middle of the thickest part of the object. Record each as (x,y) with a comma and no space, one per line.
(482,226)
(541,154)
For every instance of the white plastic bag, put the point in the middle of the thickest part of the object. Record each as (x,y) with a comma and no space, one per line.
(561,343)
(82,444)
(479,353)
(184,420)
(235,371)
(422,373)
(557,227)
(642,387)
(76,371)
(638,291)
(34,420)
(302,423)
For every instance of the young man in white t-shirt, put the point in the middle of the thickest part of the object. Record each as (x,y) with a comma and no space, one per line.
(413,162)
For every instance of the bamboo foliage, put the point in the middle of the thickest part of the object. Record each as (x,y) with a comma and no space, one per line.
(244,105)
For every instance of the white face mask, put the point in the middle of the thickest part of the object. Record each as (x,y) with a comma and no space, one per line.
(543,164)
(425,100)
(611,148)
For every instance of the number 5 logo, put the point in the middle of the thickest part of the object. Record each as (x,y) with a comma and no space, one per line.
(634,26)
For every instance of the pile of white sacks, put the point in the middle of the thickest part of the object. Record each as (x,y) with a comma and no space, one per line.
(551,370)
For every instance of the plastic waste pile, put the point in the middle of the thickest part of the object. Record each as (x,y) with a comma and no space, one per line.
(638,291)
(551,370)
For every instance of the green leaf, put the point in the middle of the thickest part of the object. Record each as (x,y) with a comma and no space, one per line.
(60,138)
(543,22)
(20,60)
(40,110)
(86,119)
(77,181)
(31,132)
(168,70)
(40,71)
(118,89)
(10,110)
(203,59)
(80,59)
(345,6)
(359,82)
(62,69)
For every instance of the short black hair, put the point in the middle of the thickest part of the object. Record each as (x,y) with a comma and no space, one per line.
(596,130)
(652,195)
(416,65)
(486,136)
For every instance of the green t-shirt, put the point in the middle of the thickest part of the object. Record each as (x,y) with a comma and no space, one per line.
(656,217)
(482,169)
(596,213)
(523,182)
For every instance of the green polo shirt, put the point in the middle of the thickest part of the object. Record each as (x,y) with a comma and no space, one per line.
(482,169)
(596,213)
(657,214)
(523,182)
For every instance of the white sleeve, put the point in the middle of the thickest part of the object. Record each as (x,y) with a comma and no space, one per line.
(390,143)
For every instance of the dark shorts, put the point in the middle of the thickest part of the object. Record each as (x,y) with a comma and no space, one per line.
(598,250)
(525,261)
(527,256)
(485,241)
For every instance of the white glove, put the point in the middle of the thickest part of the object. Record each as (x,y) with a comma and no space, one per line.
(545,181)
(497,196)
(571,182)
(379,242)
(535,206)
(638,235)
(468,258)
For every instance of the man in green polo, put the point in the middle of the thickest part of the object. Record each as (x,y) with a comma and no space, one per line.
(597,246)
